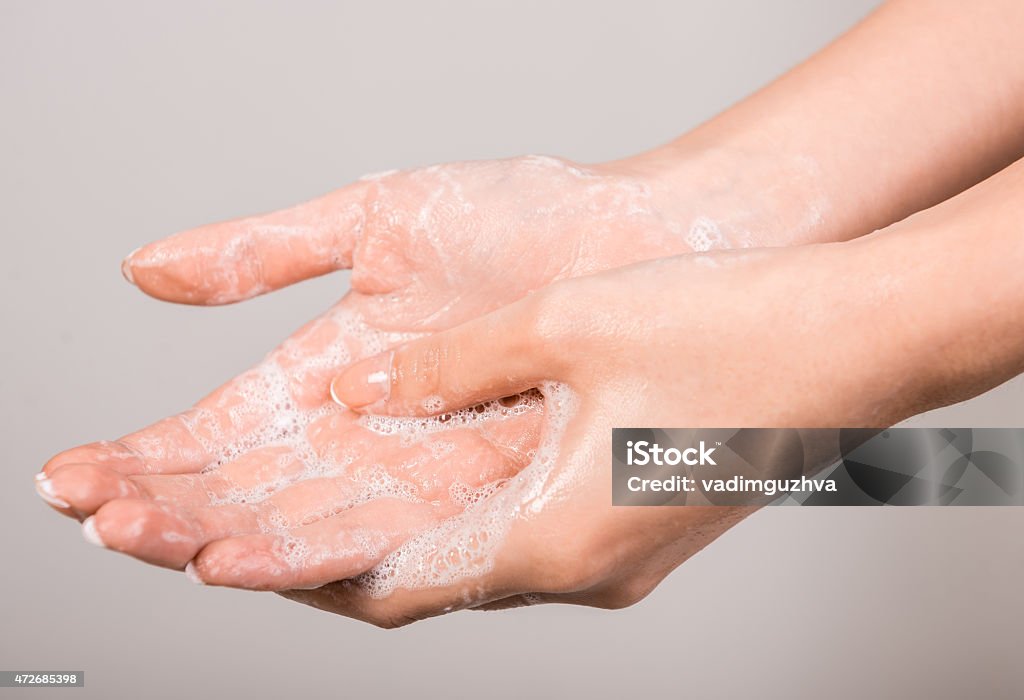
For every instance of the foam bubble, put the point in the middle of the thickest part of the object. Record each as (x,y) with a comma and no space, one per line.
(704,235)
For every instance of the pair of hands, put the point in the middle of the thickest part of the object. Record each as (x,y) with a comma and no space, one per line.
(266,484)
(439,478)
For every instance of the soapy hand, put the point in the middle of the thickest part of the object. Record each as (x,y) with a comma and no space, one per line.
(280,488)
(857,334)
(723,339)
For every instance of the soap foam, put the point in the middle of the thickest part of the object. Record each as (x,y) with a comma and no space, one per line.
(464,546)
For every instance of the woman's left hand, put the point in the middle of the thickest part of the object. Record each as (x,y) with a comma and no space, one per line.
(728,339)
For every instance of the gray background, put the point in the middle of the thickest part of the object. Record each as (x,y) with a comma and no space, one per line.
(123,122)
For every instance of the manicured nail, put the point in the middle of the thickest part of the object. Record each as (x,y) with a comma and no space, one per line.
(126,265)
(41,476)
(192,575)
(89,532)
(44,487)
(334,395)
(364,383)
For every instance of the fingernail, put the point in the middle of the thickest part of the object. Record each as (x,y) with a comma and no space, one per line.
(44,487)
(366,382)
(89,532)
(192,575)
(126,265)
(334,395)
(41,476)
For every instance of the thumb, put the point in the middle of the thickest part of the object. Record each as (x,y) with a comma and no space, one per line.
(500,354)
(239,259)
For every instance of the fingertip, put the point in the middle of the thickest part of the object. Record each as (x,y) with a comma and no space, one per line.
(126,265)
(247,561)
(47,492)
(192,574)
(365,386)
(334,394)
(114,455)
(235,260)
(91,534)
(79,490)
(178,270)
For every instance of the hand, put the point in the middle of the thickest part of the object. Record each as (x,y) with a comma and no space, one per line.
(727,339)
(266,461)
(858,334)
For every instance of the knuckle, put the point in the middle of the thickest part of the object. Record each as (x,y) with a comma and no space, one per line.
(250,253)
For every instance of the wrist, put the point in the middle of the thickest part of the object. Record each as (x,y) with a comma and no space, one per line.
(755,198)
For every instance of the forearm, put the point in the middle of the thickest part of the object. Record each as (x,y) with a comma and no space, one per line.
(920,101)
(926,313)
(961,303)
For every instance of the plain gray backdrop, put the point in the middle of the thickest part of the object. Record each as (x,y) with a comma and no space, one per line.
(125,121)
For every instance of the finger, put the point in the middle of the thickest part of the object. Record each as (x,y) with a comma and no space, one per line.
(336,548)
(490,357)
(420,474)
(170,534)
(78,490)
(181,518)
(94,473)
(78,481)
(423,470)
(245,413)
(239,259)
(177,519)
(251,478)
(168,446)
(334,443)
(164,536)
(271,403)
(238,416)
(112,454)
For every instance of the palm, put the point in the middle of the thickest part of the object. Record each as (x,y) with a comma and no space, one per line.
(285,489)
